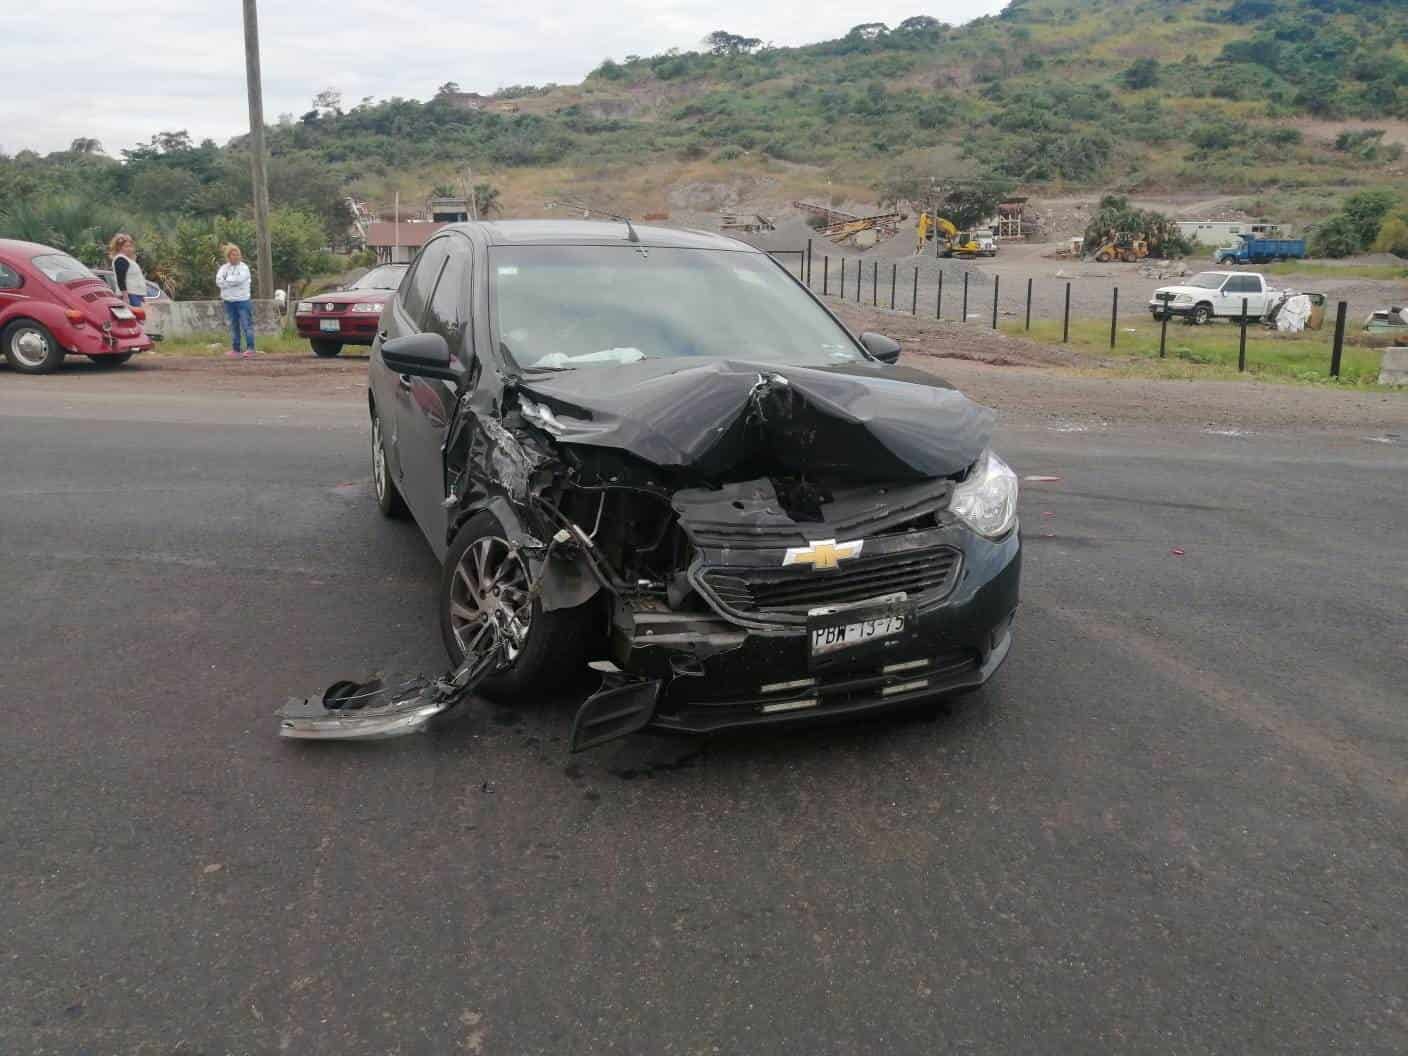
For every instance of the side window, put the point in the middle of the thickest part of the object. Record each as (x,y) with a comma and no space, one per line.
(449,304)
(417,286)
(9,279)
(1243,284)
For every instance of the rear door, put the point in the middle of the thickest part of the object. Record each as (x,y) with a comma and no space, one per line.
(1244,286)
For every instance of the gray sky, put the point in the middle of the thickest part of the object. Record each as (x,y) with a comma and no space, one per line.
(72,68)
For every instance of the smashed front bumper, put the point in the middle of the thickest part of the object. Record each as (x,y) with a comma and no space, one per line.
(717,675)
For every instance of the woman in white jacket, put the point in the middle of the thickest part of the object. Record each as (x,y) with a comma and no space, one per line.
(131,283)
(233,278)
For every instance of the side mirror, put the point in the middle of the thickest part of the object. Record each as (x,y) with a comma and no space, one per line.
(885,349)
(421,355)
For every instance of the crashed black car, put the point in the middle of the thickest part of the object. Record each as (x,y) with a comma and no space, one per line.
(655,452)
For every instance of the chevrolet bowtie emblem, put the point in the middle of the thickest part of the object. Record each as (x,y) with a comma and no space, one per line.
(823,554)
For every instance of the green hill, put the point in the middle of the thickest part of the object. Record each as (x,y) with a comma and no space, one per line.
(1294,97)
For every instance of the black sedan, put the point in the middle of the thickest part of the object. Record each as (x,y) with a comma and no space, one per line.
(655,453)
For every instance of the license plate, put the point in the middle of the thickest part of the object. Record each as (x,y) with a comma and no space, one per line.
(330,326)
(850,630)
(122,313)
(847,635)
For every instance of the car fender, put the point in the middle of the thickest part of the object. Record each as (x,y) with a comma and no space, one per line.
(564,583)
(50,316)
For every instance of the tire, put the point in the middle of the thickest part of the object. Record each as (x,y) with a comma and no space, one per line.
(107,362)
(554,646)
(1103,258)
(388,496)
(1202,314)
(31,348)
(325,349)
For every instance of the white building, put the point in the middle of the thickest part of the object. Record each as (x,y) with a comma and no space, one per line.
(1217,233)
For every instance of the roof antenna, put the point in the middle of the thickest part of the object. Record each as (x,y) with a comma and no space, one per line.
(588,210)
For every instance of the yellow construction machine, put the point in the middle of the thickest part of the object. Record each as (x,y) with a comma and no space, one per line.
(956,243)
(1123,247)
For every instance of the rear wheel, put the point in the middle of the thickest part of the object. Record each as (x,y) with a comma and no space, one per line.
(30,348)
(111,361)
(487,578)
(325,349)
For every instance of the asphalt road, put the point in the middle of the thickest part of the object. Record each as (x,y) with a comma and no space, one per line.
(1174,824)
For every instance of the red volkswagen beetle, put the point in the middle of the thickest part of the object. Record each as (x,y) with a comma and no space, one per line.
(51,305)
(349,316)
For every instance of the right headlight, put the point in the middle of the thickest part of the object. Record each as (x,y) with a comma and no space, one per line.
(987,500)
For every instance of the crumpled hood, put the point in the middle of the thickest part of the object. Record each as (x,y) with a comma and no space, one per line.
(861,422)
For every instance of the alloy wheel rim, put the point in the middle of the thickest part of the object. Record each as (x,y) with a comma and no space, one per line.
(30,347)
(378,460)
(490,583)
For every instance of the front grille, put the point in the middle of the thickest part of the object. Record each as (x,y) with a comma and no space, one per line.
(794,590)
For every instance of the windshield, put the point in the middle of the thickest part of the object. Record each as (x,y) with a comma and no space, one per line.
(561,307)
(386,277)
(1207,280)
(60,267)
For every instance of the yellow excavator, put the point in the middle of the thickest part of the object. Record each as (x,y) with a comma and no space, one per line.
(956,243)
(1123,247)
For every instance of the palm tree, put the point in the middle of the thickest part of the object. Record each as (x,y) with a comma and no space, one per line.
(486,199)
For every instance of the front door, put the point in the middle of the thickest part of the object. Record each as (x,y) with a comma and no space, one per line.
(429,403)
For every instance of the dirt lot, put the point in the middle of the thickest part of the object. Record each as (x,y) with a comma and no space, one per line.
(1025,380)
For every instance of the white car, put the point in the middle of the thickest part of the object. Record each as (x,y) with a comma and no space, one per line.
(1214,295)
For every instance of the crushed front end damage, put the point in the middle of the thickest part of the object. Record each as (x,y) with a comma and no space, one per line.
(710,518)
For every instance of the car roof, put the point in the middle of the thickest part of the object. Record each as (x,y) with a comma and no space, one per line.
(17,248)
(594,233)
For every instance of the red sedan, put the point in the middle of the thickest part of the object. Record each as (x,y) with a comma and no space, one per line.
(347,317)
(51,305)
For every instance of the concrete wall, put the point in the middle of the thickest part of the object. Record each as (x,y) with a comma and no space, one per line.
(1393,368)
(175,320)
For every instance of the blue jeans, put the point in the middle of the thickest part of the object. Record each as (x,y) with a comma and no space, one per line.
(241,317)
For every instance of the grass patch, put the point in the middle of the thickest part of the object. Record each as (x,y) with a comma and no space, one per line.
(217,344)
(1211,351)
(1389,272)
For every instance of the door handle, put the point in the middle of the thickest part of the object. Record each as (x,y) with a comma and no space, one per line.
(404,380)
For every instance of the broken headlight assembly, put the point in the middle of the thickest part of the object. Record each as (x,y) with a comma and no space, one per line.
(986,501)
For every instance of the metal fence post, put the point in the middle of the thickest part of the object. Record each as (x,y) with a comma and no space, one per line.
(859,269)
(1242,345)
(939,303)
(964,317)
(1339,339)
(1114,316)
(995,280)
(1029,304)
(825,275)
(914,297)
(875,284)
(1066,324)
(809,263)
(894,274)
(843,278)
(1163,323)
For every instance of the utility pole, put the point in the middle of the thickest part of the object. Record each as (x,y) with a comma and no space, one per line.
(265,253)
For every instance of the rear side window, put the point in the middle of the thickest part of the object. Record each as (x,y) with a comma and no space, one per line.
(9,278)
(60,267)
(417,287)
(1243,284)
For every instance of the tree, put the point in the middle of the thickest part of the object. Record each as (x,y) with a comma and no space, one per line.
(448,88)
(1142,73)
(1336,237)
(1116,218)
(868,31)
(920,24)
(1366,211)
(486,200)
(444,190)
(328,102)
(1393,235)
(85,145)
(721,42)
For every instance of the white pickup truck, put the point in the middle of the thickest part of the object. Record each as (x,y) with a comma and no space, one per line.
(1214,295)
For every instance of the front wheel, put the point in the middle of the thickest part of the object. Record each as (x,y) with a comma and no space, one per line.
(30,348)
(1201,315)
(110,361)
(388,496)
(487,578)
(325,349)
